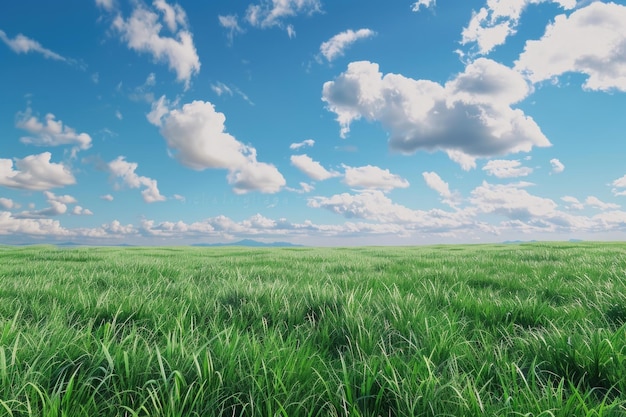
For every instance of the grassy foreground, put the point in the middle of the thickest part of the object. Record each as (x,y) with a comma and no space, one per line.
(495,330)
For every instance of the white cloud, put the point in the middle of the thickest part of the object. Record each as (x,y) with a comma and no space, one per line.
(34,172)
(23,45)
(336,46)
(291,31)
(503,168)
(298,145)
(231,23)
(107,5)
(422,3)
(12,226)
(618,186)
(557,166)
(196,135)
(574,203)
(7,203)
(142,32)
(118,115)
(65,199)
(107,197)
(494,23)
(220,88)
(56,209)
(595,202)
(256,176)
(80,211)
(179,197)
(591,41)
(270,13)
(50,132)
(120,168)
(471,116)
(434,181)
(373,178)
(312,168)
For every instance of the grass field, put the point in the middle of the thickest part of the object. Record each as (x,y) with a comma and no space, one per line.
(483,330)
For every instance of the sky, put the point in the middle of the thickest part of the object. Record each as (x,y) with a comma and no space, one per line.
(312,122)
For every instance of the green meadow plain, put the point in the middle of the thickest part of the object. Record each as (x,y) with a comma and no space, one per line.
(533,329)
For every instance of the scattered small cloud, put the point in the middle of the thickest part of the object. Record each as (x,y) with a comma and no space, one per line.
(595,202)
(557,166)
(574,203)
(619,186)
(120,168)
(503,168)
(8,204)
(80,211)
(311,168)
(106,197)
(304,143)
(24,45)
(336,46)
(272,13)
(50,131)
(291,31)
(231,23)
(371,177)
(107,5)
(179,197)
(426,4)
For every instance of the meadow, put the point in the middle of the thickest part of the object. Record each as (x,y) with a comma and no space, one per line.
(534,329)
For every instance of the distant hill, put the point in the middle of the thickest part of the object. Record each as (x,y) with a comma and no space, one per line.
(250,243)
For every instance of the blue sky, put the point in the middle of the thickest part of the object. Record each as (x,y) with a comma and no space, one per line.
(312,122)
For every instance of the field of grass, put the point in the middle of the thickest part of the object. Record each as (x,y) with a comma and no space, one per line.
(482,330)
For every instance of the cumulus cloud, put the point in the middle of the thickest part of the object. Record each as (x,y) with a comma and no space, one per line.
(23,45)
(142,33)
(304,143)
(469,117)
(13,226)
(591,41)
(270,13)
(336,46)
(124,170)
(493,24)
(106,197)
(422,3)
(373,178)
(196,135)
(503,168)
(50,132)
(34,172)
(557,166)
(311,168)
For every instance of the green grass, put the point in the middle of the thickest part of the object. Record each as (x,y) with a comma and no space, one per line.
(480,330)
